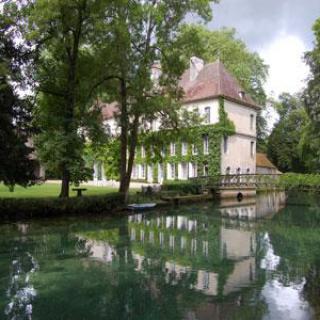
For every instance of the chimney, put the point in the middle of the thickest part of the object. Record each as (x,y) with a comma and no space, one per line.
(196,65)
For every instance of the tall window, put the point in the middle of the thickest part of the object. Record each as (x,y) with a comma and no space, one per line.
(251,121)
(184,169)
(252,148)
(143,171)
(172,149)
(184,148)
(206,169)
(206,144)
(225,144)
(194,149)
(207,114)
(194,170)
(143,152)
(173,170)
(163,151)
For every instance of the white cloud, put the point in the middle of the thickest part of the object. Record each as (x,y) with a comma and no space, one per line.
(287,71)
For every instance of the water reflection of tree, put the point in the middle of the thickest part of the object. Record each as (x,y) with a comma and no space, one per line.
(295,236)
(73,284)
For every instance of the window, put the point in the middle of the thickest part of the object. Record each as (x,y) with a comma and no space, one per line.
(99,171)
(194,169)
(251,121)
(163,151)
(184,170)
(242,94)
(252,148)
(194,149)
(205,280)
(143,171)
(206,144)
(173,170)
(184,148)
(225,144)
(152,151)
(206,169)
(228,170)
(172,149)
(248,170)
(134,171)
(143,152)
(207,114)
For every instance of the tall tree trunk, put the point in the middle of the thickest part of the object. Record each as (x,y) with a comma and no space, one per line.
(132,149)
(72,52)
(64,193)
(123,137)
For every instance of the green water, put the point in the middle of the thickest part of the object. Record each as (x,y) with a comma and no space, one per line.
(259,259)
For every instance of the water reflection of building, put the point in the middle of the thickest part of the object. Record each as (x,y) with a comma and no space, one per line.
(192,245)
(263,205)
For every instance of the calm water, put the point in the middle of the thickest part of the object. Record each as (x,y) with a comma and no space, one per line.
(257,260)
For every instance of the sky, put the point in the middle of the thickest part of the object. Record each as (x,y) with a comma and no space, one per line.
(279,30)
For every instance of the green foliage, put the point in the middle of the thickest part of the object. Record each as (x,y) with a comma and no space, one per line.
(159,142)
(66,75)
(297,181)
(16,166)
(285,140)
(181,187)
(311,139)
(108,155)
(12,209)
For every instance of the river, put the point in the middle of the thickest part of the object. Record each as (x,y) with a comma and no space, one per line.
(255,259)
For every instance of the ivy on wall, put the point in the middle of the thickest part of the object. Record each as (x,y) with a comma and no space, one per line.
(157,148)
(157,142)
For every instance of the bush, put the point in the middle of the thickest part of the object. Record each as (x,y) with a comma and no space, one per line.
(34,208)
(297,181)
(182,187)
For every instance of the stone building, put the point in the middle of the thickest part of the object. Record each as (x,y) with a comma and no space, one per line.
(216,95)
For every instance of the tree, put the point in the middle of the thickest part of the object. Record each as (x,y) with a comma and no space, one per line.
(311,97)
(246,66)
(143,33)
(65,76)
(16,166)
(284,143)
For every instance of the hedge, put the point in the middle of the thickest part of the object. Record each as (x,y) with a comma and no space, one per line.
(181,187)
(52,207)
(297,181)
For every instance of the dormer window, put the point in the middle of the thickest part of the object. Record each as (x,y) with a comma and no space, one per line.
(242,94)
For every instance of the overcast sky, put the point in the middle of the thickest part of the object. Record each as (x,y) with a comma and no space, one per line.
(279,30)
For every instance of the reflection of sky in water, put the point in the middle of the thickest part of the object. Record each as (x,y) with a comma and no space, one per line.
(284,302)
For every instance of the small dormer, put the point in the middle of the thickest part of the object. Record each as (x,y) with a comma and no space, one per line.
(242,94)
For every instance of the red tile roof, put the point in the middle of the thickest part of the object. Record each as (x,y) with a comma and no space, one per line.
(214,81)
(263,161)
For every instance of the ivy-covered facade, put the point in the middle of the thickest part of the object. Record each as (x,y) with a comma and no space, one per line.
(177,155)
(224,143)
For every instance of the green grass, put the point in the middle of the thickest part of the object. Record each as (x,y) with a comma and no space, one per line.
(49,190)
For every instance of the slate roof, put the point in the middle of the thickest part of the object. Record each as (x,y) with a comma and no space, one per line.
(214,81)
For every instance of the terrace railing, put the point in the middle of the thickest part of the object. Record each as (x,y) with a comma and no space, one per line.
(258,181)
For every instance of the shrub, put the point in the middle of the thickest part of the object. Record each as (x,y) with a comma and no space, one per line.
(295,181)
(182,187)
(34,208)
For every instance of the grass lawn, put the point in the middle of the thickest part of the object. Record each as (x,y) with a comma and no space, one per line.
(49,190)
